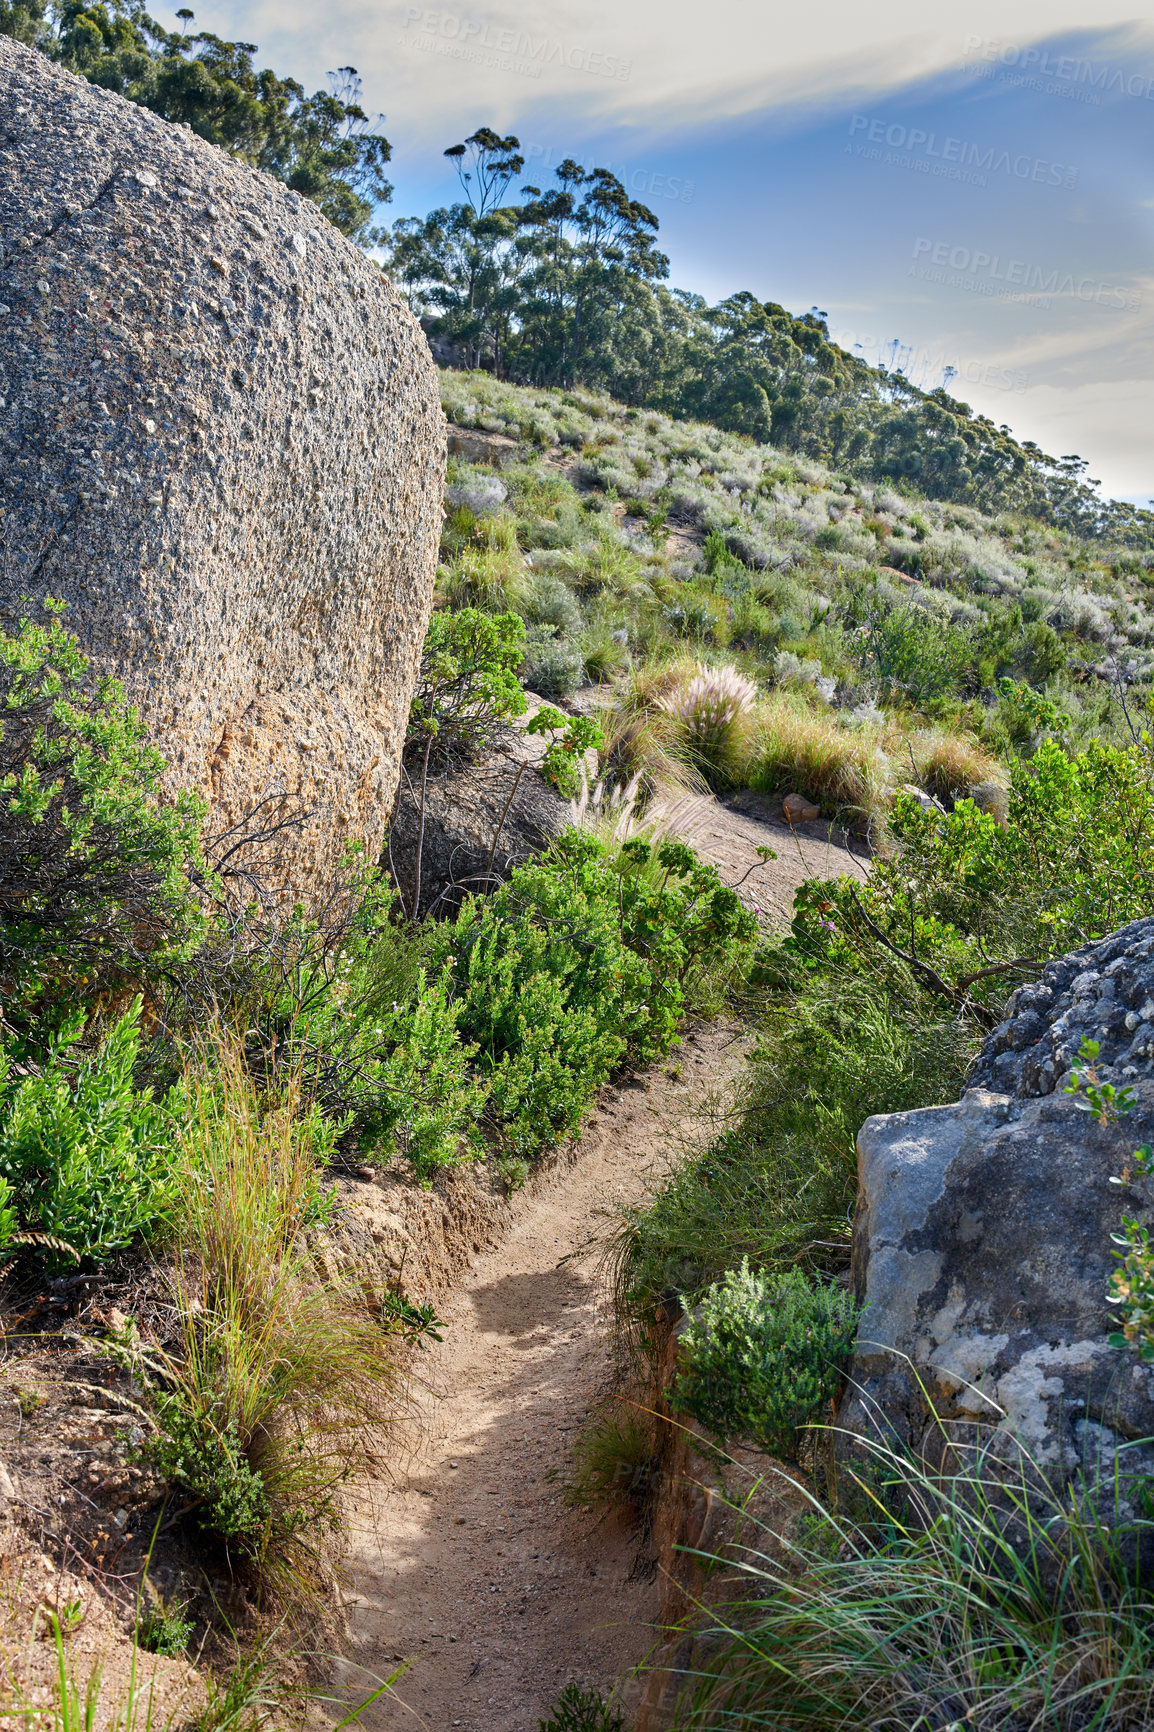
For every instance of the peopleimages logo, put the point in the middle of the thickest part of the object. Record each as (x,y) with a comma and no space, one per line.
(990,274)
(511,49)
(640,182)
(1091,80)
(952,158)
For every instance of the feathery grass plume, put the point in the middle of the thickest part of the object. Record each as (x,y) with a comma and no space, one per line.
(711,708)
(646,751)
(973,1598)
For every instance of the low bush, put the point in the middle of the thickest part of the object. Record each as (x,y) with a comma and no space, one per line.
(579,960)
(100,875)
(967,906)
(163,1629)
(86,1158)
(762,1356)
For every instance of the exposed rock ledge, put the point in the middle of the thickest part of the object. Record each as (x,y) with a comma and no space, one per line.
(982,1244)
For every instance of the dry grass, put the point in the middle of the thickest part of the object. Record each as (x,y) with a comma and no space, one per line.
(286,1380)
(793,749)
(949,765)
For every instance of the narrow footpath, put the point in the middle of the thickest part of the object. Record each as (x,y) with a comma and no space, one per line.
(473,1567)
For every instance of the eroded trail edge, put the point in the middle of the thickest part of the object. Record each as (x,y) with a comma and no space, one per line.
(472,1567)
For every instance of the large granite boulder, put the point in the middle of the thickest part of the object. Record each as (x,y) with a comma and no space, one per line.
(982,1245)
(221,443)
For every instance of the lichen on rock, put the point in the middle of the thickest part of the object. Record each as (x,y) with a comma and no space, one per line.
(221,443)
(982,1246)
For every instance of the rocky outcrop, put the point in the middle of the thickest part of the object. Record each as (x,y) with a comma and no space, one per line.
(982,1244)
(221,443)
(1104,991)
(473,825)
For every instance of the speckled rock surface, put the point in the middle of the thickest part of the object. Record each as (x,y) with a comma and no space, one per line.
(1104,992)
(221,443)
(982,1244)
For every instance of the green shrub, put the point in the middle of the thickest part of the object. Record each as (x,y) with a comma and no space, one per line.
(203,1453)
(912,650)
(552,665)
(85,1157)
(467,685)
(164,1630)
(762,1356)
(583,1710)
(579,959)
(968,907)
(99,869)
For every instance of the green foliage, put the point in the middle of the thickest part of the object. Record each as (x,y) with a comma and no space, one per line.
(413,1320)
(912,651)
(957,1599)
(371,1026)
(762,1356)
(99,871)
(85,1157)
(969,905)
(561,763)
(467,685)
(577,960)
(615,1460)
(164,1630)
(1106,1102)
(582,1710)
(779,1183)
(204,1454)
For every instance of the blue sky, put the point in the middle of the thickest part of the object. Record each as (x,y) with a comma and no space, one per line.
(977,188)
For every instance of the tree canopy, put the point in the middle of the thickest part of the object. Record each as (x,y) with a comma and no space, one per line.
(325,146)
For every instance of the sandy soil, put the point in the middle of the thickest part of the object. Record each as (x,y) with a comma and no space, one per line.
(475,1569)
(729,832)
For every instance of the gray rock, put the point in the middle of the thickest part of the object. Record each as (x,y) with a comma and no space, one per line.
(505,797)
(1104,991)
(221,443)
(982,1250)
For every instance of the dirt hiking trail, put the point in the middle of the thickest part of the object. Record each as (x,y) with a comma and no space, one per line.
(477,1570)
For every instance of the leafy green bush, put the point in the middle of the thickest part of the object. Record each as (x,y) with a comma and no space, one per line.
(204,1454)
(968,907)
(762,1356)
(99,869)
(579,959)
(85,1157)
(164,1630)
(912,651)
(467,685)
